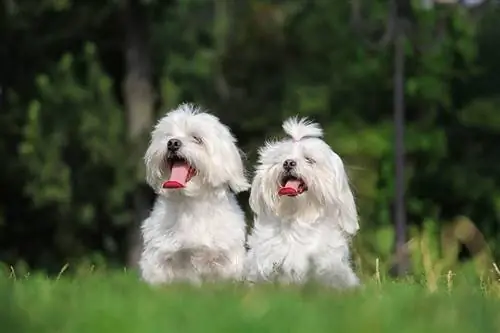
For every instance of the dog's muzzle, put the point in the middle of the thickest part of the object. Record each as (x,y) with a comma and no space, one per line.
(181,171)
(291,184)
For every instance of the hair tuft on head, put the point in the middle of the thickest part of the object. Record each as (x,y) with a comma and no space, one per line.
(302,128)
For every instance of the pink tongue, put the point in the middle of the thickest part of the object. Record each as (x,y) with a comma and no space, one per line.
(178,175)
(290,189)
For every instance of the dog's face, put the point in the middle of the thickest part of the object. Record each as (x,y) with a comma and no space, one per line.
(192,152)
(302,174)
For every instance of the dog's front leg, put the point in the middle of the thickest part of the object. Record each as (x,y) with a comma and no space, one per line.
(346,276)
(230,264)
(336,271)
(156,267)
(223,265)
(339,275)
(250,270)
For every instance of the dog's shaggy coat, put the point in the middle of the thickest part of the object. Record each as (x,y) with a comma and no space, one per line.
(305,213)
(196,230)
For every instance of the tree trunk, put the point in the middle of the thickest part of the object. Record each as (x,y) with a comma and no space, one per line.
(139,103)
(399,126)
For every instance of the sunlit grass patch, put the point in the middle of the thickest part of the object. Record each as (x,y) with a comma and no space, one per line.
(118,302)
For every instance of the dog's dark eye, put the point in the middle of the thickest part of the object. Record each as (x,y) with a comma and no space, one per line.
(197,139)
(310,160)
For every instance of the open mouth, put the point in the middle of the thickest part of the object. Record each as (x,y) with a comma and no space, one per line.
(180,173)
(291,186)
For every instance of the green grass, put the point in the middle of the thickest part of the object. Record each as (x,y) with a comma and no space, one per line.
(118,303)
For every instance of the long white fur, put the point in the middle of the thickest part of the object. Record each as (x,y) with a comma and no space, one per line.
(295,239)
(198,232)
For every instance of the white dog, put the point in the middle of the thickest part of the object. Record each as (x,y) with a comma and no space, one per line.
(305,212)
(196,230)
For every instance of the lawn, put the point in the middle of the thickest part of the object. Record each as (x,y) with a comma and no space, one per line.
(117,302)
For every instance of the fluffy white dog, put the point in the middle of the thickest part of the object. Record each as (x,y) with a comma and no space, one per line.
(196,230)
(305,212)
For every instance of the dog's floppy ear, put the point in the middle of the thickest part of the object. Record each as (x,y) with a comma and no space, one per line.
(348,214)
(152,161)
(233,165)
(255,199)
(227,160)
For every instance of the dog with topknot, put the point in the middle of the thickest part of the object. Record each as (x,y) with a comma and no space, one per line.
(305,212)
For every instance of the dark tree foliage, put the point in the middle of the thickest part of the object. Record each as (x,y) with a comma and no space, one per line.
(71,169)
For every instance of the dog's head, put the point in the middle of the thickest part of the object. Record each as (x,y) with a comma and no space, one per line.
(191,152)
(302,175)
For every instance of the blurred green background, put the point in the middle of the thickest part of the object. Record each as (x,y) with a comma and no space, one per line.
(82,83)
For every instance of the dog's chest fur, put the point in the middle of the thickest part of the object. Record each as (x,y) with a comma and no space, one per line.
(201,224)
(186,240)
(212,231)
(295,247)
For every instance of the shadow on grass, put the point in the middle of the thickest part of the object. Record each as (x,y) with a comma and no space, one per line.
(13,318)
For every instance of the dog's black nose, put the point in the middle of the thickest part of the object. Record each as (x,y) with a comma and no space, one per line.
(174,144)
(289,165)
